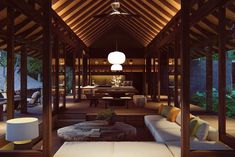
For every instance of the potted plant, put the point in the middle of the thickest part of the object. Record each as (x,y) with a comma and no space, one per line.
(107,115)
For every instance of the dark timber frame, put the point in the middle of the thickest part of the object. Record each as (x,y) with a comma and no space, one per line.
(174,33)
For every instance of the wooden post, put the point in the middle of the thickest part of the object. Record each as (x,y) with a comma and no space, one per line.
(57,93)
(65,81)
(167,76)
(79,79)
(154,80)
(159,78)
(74,75)
(47,109)
(10,62)
(23,80)
(185,63)
(84,70)
(148,75)
(209,79)
(222,72)
(176,81)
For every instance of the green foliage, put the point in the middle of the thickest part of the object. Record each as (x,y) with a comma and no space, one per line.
(105,115)
(34,67)
(199,98)
(69,78)
(3,59)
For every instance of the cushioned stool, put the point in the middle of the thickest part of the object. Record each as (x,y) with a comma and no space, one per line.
(107,100)
(139,100)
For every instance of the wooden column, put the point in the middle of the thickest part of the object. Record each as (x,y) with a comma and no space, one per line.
(148,75)
(209,79)
(57,93)
(10,62)
(65,81)
(154,80)
(79,78)
(167,76)
(222,72)
(47,109)
(176,81)
(159,78)
(84,70)
(23,80)
(164,78)
(185,63)
(74,75)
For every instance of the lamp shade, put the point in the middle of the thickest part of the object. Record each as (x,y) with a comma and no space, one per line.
(116,57)
(22,129)
(116,67)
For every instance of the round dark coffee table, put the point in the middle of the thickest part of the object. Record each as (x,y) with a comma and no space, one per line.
(97,130)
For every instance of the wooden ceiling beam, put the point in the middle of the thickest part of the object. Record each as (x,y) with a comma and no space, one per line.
(98,29)
(86,18)
(69,11)
(88,22)
(142,21)
(160,9)
(168,5)
(133,34)
(61,7)
(143,15)
(136,29)
(100,34)
(85,11)
(206,9)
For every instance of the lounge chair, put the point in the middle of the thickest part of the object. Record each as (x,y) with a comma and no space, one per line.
(34,100)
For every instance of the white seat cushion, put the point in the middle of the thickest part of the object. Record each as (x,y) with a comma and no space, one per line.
(86,149)
(140,149)
(175,146)
(165,134)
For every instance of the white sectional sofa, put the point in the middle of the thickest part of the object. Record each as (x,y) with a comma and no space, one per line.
(169,134)
(113,149)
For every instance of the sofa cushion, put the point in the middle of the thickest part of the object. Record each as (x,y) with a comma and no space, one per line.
(173,114)
(201,129)
(165,110)
(86,149)
(213,134)
(167,134)
(175,147)
(178,118)
(160,108)
(193,126)
(140,149)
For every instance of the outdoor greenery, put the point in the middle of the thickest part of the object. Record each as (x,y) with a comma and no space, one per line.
(34,67)
(69,78)
(199,98)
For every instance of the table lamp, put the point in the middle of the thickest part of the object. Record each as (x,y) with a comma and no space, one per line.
(21,131)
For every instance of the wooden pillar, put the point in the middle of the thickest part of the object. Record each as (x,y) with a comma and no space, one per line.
(167,76)
(57,93)
(148,75)
(65,81)
(79,79)
(163,66)
(154,80)
(47,109)
(158,79)
(185,63)
(222,72)
(209,79)
(84,70)
(23,80)
(10,62)
(176,81)
(74,75)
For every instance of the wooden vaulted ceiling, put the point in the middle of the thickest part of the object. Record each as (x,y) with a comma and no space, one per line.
(79,15)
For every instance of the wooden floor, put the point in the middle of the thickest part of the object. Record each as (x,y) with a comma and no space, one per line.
(133,115)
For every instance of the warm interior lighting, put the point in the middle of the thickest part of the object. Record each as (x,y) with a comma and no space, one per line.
(116,67)
(131,62)
(116,57)
(22,130)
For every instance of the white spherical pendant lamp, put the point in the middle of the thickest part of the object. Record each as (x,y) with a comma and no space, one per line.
(116,57)
(116,67)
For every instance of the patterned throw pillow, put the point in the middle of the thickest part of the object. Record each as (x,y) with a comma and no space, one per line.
(202,129)
(165,110)
(193,123)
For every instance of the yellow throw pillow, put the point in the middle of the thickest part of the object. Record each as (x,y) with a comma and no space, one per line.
(173,114)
